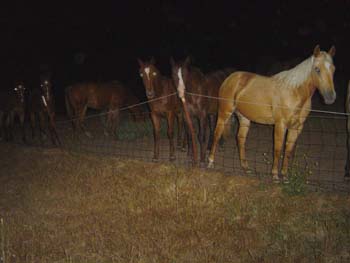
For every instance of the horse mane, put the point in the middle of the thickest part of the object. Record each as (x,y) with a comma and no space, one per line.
(296,76)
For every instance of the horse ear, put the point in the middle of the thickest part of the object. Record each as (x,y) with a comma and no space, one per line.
(172,62)
(317,50)
(332,51)
(187,60)
(140,63)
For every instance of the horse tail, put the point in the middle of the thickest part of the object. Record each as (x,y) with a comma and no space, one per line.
(68,104)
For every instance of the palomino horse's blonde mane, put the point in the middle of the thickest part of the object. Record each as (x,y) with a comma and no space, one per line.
(295,77)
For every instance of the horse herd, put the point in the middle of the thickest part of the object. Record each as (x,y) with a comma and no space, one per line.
(282,100)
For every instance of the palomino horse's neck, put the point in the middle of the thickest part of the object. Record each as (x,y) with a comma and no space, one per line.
(299,77)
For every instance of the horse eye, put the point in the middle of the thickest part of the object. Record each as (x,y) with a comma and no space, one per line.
(317,69)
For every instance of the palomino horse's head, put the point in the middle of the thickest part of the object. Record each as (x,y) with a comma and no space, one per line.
(46,90)
(322,73)
(179,73)
(19,90)
(149,74)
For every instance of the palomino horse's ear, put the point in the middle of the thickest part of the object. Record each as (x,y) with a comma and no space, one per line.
(153,61)
(317,50)
(332,51)
(140,63)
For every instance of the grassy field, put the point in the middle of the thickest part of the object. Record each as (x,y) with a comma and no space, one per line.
(63,207)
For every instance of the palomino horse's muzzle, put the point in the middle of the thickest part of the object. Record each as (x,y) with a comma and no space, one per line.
(329,97)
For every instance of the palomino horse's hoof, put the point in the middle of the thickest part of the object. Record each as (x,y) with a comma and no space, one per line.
(276,179)
(210,164)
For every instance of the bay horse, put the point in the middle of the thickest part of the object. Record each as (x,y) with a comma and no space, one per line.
(110,96)
(12,104)
(163,103)
(200,92)
(282,100)
(41,107)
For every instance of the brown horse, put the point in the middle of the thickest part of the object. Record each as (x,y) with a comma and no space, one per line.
(12,104)
(42,107)
(283,100)
(110,96)
(163,102)
(199,91)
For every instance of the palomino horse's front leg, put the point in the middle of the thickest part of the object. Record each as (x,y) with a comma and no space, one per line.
(244,125)
(156,130)
(170,132)
(279,133)
(292,137)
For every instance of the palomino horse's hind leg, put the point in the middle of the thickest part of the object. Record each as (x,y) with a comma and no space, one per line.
(279,133)
(170,133)
(223,117)
(292,137)
(244,125)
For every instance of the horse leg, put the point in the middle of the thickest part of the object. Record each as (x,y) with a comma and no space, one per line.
(156,130)
(115,122)
(202,138)
(223,116)
(171,119)
(347,166)
(279,133)
(21,119)
(180,129)
(244,125)
(32,124)
(82,113)
(292,137)
(42,124)
(9,126)
(211,122)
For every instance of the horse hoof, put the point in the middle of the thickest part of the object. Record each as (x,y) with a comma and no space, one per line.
(210,164)
(275,179)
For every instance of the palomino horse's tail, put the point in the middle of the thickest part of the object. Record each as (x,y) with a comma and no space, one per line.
(68,104)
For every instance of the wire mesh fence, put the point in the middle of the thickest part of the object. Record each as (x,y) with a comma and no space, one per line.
(320,151)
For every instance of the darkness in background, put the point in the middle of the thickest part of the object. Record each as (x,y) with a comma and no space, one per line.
(101,40)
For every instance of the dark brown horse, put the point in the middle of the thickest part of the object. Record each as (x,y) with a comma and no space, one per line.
(12,104)
(163,102)
(199,91)
(110,96)
(42,110)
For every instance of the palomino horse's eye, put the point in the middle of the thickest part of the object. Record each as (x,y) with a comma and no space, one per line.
(317,69)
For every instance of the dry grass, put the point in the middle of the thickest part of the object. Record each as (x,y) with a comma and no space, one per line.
(60,207)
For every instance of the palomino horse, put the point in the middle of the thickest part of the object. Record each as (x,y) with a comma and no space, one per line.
(201,93)
(283,100)
(42,106)
(110,96)
(163,102)
(12,104)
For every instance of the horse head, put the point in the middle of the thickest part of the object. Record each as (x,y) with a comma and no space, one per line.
(179,73)
(19,91)
(149,74)
(322,73)
(46,90)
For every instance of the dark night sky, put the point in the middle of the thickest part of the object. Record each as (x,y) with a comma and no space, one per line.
(112,34)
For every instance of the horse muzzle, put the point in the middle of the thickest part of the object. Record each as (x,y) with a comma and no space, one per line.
(329,97)
(150,95)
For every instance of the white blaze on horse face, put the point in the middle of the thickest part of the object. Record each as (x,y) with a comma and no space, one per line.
(147,70)
(44,100)
(181,87)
